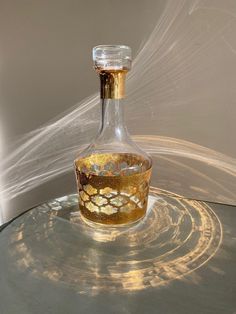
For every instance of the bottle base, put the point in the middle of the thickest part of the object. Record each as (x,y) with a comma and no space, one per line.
(109,224)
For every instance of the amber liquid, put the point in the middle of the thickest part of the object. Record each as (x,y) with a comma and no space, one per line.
(113,188)
(113,207)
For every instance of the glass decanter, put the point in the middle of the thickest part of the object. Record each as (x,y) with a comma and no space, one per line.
(113,173)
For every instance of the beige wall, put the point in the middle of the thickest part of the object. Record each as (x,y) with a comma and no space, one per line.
(181,90)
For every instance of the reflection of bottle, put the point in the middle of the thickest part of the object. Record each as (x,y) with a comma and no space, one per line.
(113,173)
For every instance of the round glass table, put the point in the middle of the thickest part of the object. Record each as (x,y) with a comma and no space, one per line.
(179,259)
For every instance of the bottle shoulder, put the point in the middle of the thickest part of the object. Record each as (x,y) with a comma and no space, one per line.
(124,154)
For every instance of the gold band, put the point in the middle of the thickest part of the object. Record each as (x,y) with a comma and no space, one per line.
(112,83)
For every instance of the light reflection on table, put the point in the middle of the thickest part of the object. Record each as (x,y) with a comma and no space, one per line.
(176,237)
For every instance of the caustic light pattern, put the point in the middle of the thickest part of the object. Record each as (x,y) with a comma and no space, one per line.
(176,237)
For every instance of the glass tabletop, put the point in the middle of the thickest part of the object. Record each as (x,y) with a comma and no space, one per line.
(179,259)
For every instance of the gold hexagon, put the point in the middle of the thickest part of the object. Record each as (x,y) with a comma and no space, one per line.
(117,201)
(93,208)
(106,192)
(99,200)
(135,199)
(89,189)
(83,196)
(109,210)
(125,209)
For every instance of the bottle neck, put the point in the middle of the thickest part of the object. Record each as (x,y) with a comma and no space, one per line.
(112,90)
(112,83)
(112,119)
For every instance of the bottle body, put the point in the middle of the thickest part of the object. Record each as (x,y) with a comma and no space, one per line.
(113,173)
(113,187)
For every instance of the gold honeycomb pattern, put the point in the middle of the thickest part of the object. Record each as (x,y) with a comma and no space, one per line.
(113,188)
